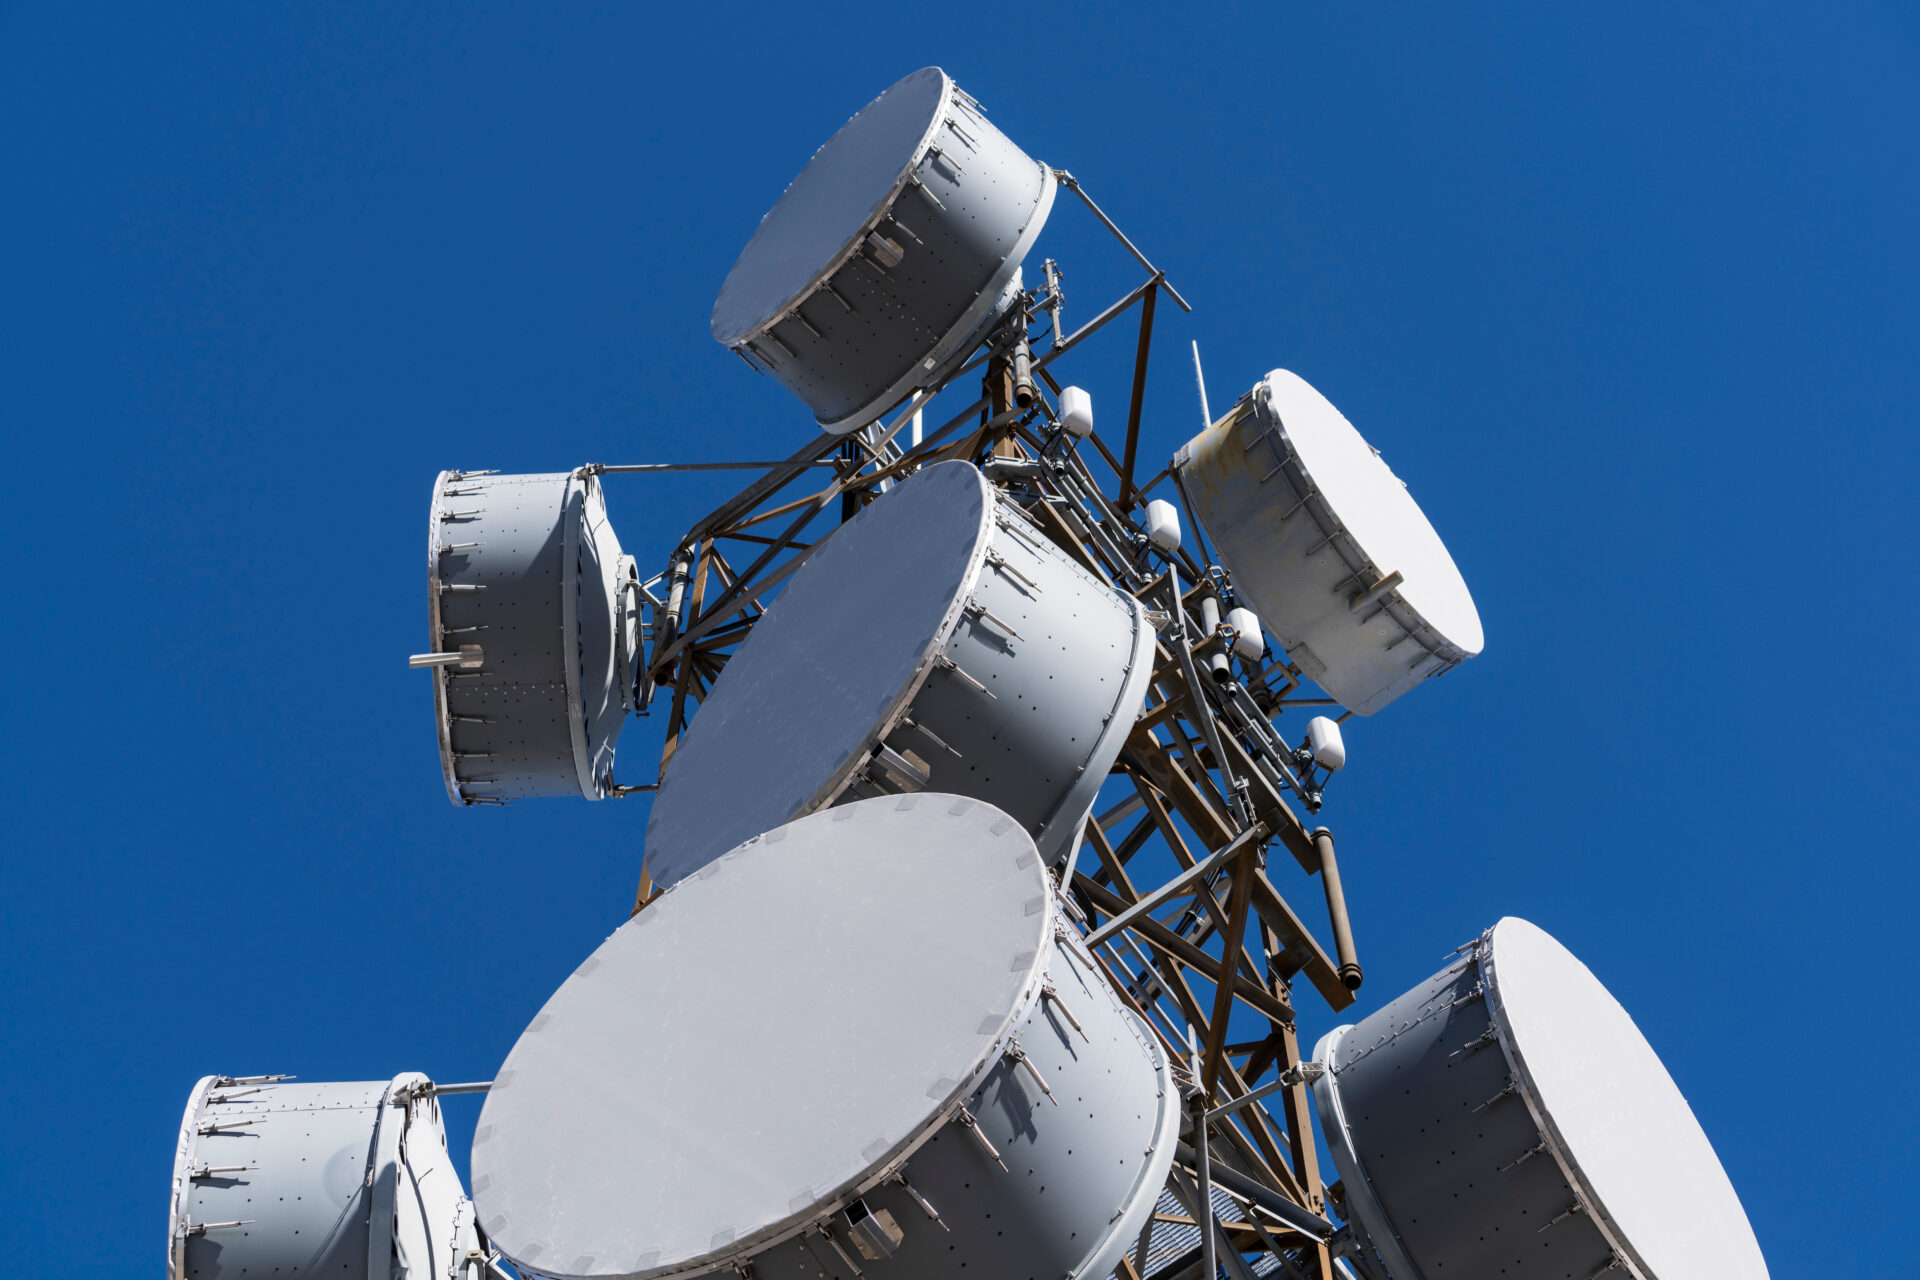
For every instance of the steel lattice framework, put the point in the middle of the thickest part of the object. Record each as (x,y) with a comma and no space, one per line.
(1207,940)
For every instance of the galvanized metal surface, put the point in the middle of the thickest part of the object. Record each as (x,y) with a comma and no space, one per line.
(684,1104)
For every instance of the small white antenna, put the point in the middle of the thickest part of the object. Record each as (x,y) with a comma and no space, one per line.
(1200,380)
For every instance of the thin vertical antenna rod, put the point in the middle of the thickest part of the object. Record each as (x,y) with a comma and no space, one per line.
(1206,422)
(1200,380)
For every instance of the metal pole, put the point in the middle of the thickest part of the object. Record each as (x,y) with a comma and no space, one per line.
(1241,900)
(1305,1221)
(1131,448)
(1200,381)
(1337,910)
(1199,534)
(1200,869)
(1203,1212)
(751,496)
(849,500)
(1073,185)
(1203,714)
(1248,1099)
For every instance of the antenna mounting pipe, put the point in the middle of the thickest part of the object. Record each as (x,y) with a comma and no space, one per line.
(1305,1221)
(1349,963)
(1073,184)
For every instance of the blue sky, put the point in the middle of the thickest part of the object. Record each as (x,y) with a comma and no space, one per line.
(1625,293)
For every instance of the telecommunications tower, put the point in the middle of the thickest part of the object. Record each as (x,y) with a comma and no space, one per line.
(977,900)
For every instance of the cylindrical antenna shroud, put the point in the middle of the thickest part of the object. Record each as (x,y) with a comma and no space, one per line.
(1506,1117)
(889,257)
(949,1055)
(1327,546)
(526,569)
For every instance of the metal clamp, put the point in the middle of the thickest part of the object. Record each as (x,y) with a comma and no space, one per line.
(837,295)
(1508,1092)
(999,562)
(1480,1041)
(986,615)
(926,1207)
(1576,1207)
(948,664)
(1016,1053)
(972,1126)
(1536,1149)
(221,1126)
(913,180)
(908,722)
(826,1233)
(1048,993)
(202,1172)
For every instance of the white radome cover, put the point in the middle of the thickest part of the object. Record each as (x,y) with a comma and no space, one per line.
(848,180)
(1375,508)
(793,713)
(766,1034)
(1614,1114)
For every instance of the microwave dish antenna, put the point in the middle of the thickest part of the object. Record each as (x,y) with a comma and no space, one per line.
(889,257)
(938,641)
(1562,1145)
(916,1068)
(534,626)
(1325,543)
(277,1177)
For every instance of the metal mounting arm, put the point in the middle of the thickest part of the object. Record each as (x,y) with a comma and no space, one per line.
(1073,184)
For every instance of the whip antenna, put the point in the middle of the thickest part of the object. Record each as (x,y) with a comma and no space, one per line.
(1200,381)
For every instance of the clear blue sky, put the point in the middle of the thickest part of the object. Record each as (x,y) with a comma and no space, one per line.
(1627,293)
